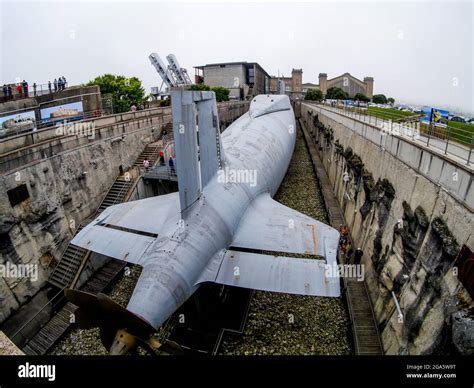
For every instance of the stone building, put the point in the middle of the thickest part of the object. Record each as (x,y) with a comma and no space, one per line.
(293,84)
(243,79)
(350,84)
(308,85)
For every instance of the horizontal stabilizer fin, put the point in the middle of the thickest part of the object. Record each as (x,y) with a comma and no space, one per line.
(147,215)
(271,273)
(113,243)
(126,230)
(270,226)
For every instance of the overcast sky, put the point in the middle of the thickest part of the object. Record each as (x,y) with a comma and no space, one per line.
(417,52)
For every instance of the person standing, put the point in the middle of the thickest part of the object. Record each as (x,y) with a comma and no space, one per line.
(25,88)
(358,256)
(9,92)
(49,86)
(34,89)
(146,164)
(171,164)
(5,91)
(64,82)
(19,89)
(55,83)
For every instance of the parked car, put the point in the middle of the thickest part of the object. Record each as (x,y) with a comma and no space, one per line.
(458,119)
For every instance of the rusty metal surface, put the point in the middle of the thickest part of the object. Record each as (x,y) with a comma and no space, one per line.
(271,273)
(277,274)
(271,226)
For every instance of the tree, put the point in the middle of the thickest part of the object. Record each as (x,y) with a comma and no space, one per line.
(165,102)
(391,100)
(199,87)
(125,91)
(336,93)
(222,94)
(313,95)
(361,97)
(379,99)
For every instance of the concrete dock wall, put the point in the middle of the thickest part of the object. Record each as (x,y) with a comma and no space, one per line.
(410,210)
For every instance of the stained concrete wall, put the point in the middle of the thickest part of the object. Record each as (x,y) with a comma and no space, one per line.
(410,220)
(232,77)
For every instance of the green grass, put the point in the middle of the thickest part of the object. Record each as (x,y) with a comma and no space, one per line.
(465,126)
(461,132)
(458,132)
(388,113)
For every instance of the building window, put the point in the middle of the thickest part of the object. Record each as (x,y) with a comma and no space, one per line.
(251,76)
(18,195)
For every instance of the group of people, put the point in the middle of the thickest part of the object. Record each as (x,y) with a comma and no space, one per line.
(146,163)
(345,246)
(58,84)
(7,92)
(22,88)
(134,108)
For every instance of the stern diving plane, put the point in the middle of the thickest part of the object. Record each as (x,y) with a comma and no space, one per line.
(215,228)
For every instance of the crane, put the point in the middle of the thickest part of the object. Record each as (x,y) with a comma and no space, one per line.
(172,74)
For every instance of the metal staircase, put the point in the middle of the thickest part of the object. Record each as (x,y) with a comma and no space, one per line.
(64,272)
(117,193)
(151,152)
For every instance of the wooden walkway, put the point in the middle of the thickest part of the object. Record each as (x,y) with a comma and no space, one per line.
(364,327)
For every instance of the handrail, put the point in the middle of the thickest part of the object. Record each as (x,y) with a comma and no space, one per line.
(70,139)
(33,90)
(461,139)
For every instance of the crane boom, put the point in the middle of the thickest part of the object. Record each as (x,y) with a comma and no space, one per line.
(162,70)
(180,74)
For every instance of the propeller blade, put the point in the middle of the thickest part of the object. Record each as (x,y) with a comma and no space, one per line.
(120,329)
(89,314)
(171,347)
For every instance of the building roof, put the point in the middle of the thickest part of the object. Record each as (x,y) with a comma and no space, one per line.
(347,75)
(201,67)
